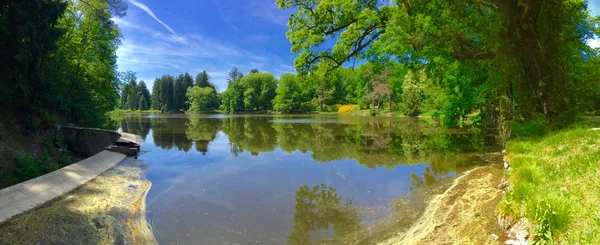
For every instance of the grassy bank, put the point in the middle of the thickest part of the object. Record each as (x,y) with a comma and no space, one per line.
(555,184)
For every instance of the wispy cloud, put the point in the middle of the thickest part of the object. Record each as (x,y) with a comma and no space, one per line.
(153,51)
(149,12)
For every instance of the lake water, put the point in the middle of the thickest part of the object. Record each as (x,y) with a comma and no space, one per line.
(290,179)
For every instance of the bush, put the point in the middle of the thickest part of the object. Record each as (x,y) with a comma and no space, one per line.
(531,128)
(348,108)
(372,112)
(28,168)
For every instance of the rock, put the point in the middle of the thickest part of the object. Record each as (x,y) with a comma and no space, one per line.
(132,187)
(506,165)
(120,240)
(99,222)
(495,237)
(505,222)
(512,242)
(503,184)
(522,236)
(504,151)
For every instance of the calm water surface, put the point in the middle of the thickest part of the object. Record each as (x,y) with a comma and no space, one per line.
(289,179)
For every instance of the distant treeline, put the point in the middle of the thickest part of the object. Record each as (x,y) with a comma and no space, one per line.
(385,87)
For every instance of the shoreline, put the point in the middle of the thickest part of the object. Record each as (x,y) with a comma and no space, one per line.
(465,213)
(109,209)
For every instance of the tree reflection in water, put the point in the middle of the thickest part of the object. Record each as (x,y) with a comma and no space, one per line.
(371,142)
(319,208)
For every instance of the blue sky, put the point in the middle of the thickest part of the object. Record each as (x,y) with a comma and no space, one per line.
(177,36)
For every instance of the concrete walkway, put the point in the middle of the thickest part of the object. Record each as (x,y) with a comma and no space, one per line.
(28,195)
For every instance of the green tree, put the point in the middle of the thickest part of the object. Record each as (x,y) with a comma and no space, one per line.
(203,80)
(166,95)
(234,75)
(516,50)
(412,93)
(287,96)
(201,99)
(143,95)
(179,93)
(255,91)
(156,94)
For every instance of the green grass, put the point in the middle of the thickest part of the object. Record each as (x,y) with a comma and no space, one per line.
(556,185)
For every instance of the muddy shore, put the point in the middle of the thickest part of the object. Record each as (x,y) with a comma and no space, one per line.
(110,209)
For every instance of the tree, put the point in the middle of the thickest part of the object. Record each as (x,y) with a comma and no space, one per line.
(203,80)
(157,94)
(380,88)
(412,90)
(166,95)
(124,78)
(254,70)
(255,91)
(287,96)
(179,93)
(233,97)
(201,99)
(234,75)
(143,105)
(143,96)
(128,96)
(530,40)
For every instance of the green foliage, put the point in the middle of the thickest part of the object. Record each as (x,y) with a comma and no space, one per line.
(412,93)
(530,128)
(253,92)
(202,99)
(29,167)
(58,65)
(203,80)
(292,95)
(535,55)
(234,75)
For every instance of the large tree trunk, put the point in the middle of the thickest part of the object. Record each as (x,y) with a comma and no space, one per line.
(541,76)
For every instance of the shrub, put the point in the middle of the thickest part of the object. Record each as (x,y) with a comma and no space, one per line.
(28,168)
(348,108)
(372,112)
(531,128)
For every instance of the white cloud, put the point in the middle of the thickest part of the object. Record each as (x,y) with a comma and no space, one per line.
(155,52)
(149,12)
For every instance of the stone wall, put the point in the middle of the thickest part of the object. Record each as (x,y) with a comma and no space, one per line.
(88,141)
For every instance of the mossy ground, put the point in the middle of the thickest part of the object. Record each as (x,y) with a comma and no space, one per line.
(107,210)
(555,183)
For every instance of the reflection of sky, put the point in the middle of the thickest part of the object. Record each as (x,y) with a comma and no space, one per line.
(214,198)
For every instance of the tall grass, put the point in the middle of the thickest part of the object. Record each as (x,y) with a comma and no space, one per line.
(556,185)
